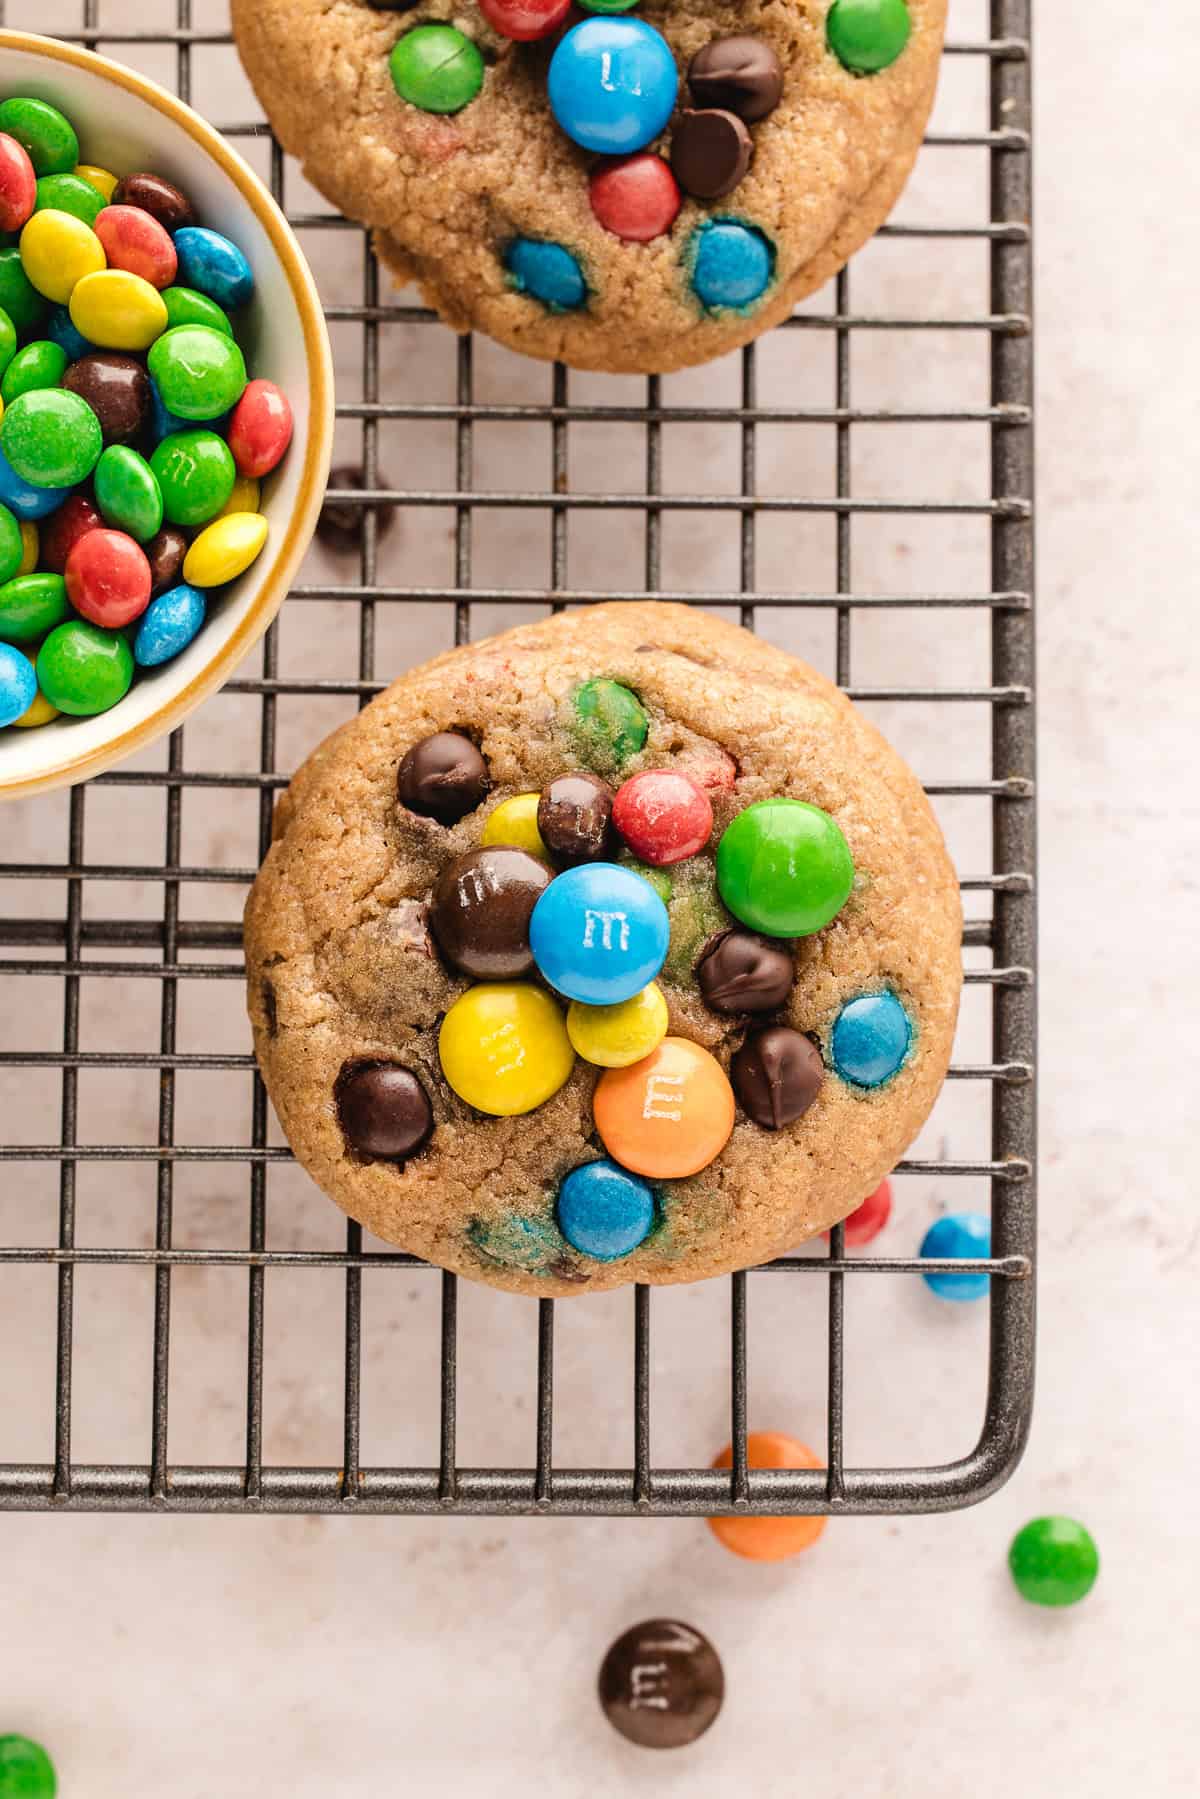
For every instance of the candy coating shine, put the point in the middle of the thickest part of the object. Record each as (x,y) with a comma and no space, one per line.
(504,1048)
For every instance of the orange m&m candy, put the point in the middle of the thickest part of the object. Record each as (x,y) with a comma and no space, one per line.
(668,1115)
(769,1539)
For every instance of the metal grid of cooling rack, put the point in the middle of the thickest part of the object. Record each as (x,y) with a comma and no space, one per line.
(1009,935)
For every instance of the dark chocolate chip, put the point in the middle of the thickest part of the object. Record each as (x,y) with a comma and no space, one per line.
(340,526)
(575,819)
(777,1075)
(270,1007)
(392,5)
(163,202)
(710,152)
(383,1110)
(117,388)
(742,972)
(738,74)
(443,777)
(165,553)
(481,908)
(661,1684)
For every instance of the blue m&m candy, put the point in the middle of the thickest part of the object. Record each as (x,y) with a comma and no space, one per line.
(547,271)
(599,933)
(732,263)
(60,329)
(604,1211)
(960,1236)
(870,1039)
(214,266)
(18,685)
(23,498)
(612,84)
(168,625)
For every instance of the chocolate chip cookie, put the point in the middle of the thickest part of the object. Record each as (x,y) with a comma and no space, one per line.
(624,190)
(615,948)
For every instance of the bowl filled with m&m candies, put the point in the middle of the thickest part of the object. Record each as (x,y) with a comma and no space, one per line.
(166,411)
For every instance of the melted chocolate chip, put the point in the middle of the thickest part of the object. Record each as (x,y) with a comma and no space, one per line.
(340,526)
(661,1684)
(710,152)
(742,972)
(575,819)
(777,1075)
(738,74)
(443,777)
(481,909)
(383,1109)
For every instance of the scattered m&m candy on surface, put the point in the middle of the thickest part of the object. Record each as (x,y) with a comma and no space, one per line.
(960,1236)
(1054,1561)
(667,1116)
(504,1048)
(604,1211)
(26,1771)
(599,933)
(784,868)
(867,1221)
(769,1539)
(661,1684)
(663,816)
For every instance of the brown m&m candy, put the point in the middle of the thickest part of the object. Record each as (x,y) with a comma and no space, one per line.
(575,819)
(443,777)
(742,972)
(166,552)
(161,199)
(661,1684)
(710,152)
(737,74)
(777,1075)
(383,1110)
(117,388)
(480,911)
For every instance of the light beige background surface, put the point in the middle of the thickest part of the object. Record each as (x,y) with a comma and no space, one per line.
(313,1656)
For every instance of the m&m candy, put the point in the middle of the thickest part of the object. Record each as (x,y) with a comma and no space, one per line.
(73,520)
(575,819)
(146,192)
(30,606)
(168,625)
(195,472)
(637,197)
(599,933)
(57,251)
(615,1036)
(612,722)
(481,907)
(612,84)
(732,264)
(51,438)
(132,239)
(515,822)
(18,184)
(46,134)
(546,270)
(260,429)
(108,578)
(18,684)
(870,1040)
(436,68)
(524,20)
(127,492)
(868,35)
(225,549)
(26,1771)
(663,816)
(661,1684)
(199,372)
(117,310)
(667,1116)
(784,868)
(769,1539)
(1054,1561)
(83,670)
(605,1212)
(504,1048)
(960,1236)
(214,265)
(870,1218)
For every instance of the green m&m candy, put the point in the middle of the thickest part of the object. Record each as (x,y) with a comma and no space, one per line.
(51,437)
(31,605)
(128,494)
(196,472)
(47,135)
(83,670)
(784,868)
(8,341)
(19,298)
(39,364)
(612,721)
(436,68)
(1054,1561)
(26,1771)
(868,35)
(186,306)
(70,193)
(200,372)
(12,551)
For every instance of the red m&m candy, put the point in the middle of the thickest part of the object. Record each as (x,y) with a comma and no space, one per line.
(18,184)
(260,429)
(134,240)
(62,531)
(525,20)
(864,1225)
(663,816)
(636,198)
(108,579)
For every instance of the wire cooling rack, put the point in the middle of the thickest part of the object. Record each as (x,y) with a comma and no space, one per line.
(87,941)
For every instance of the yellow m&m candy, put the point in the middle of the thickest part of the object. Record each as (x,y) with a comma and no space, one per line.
(616,1036)
(116,309)
(39,713)
(57,251)
(504,1048)
(225,549)
(104,183)
(246,497)
(514,824)
(30,542)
